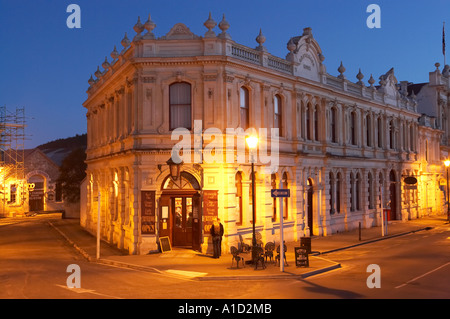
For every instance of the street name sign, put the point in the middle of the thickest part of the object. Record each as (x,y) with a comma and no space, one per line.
(280,192)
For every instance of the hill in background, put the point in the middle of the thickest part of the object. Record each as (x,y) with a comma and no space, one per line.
(58,149)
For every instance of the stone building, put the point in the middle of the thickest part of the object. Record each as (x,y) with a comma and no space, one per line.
(342,148)
(36,191)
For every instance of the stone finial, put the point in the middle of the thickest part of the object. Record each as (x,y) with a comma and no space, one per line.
(138,27)
(106,64)
(371,81)
(341,70)
(149,25)
(224,26)
(98,73)
(210,24)
(91,80)
(291,45)
(261,39)
(114,53)
(307,31)
(360,76)
(125,41)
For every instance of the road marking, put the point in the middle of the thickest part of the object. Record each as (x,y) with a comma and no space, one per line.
(421,276)
(83,291)
(189,274)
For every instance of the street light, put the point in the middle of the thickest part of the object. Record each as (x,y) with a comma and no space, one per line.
(252,142)
(447,164)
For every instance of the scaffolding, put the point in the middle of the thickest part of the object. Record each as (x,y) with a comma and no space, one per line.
(12,148)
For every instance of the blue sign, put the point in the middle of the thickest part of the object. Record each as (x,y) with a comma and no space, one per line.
(280,192)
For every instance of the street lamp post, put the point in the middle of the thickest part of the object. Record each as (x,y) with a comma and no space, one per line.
(447,164)
(252,142)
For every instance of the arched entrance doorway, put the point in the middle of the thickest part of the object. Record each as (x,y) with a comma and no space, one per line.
(393,196)
(36,193)
(310,205)
(180,211)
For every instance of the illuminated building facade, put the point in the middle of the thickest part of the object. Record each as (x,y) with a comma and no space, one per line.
(35,189)
(344,148)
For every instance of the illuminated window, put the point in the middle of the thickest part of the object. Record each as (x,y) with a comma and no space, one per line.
(277,123)
(180,105)
(244,108)
(238,183)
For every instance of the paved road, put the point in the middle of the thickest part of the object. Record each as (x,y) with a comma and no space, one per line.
(34,258)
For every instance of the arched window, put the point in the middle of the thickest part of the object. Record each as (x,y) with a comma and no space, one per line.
(411,138)
(244,108)
(381,187)
(352,192)
(370,190)
(238,183)
(308,121)
(353,128)
(380,132)
(332,190)
(180,106)
(316,123)
(391,134)
(286,199)
(273,179)
(338,192)
(358,192)
(277,109)
(368,130)
(333,125)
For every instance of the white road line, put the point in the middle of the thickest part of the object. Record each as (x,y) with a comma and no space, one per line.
(83,291)
(421,276)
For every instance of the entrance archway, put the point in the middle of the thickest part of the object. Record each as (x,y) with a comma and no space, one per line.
(180,211)
(393,196)
(36,193)
(310,205)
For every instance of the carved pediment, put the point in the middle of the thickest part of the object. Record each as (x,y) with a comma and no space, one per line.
(180,32)
(305,51)
(388,84)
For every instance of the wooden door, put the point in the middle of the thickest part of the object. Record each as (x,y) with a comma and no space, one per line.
(182,212)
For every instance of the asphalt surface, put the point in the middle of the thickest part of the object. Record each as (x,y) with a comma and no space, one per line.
(186,263)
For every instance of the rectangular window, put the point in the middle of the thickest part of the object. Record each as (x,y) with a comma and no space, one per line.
(180,106)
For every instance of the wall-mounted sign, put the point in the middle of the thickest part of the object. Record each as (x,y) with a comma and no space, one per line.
(210,209)
(410,180)
(148,212)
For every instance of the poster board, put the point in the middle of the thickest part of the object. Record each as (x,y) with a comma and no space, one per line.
(210,209)
(148,213)
(301,256)
(164,243)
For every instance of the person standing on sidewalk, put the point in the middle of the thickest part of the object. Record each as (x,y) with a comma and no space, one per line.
(217,233)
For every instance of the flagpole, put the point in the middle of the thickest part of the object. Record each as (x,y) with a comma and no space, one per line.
(443,42)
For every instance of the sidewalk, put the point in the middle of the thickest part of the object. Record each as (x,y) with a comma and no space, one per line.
(191,265)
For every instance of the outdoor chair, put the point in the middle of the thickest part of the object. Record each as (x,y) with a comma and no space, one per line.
(269,248)
(258,237)
(278,256)
(243,247)
(259,257)
(235,253)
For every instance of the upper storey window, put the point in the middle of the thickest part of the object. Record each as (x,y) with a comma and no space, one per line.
(244,108)
(180,105)
(277,114)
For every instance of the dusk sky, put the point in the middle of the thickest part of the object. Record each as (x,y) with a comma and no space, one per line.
(45,66)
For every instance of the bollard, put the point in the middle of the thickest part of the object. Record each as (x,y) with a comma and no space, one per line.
(359,231)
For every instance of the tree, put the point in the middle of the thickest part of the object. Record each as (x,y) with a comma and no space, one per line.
(72,173)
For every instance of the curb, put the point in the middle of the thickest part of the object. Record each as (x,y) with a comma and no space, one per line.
(231,277)
(372,241)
